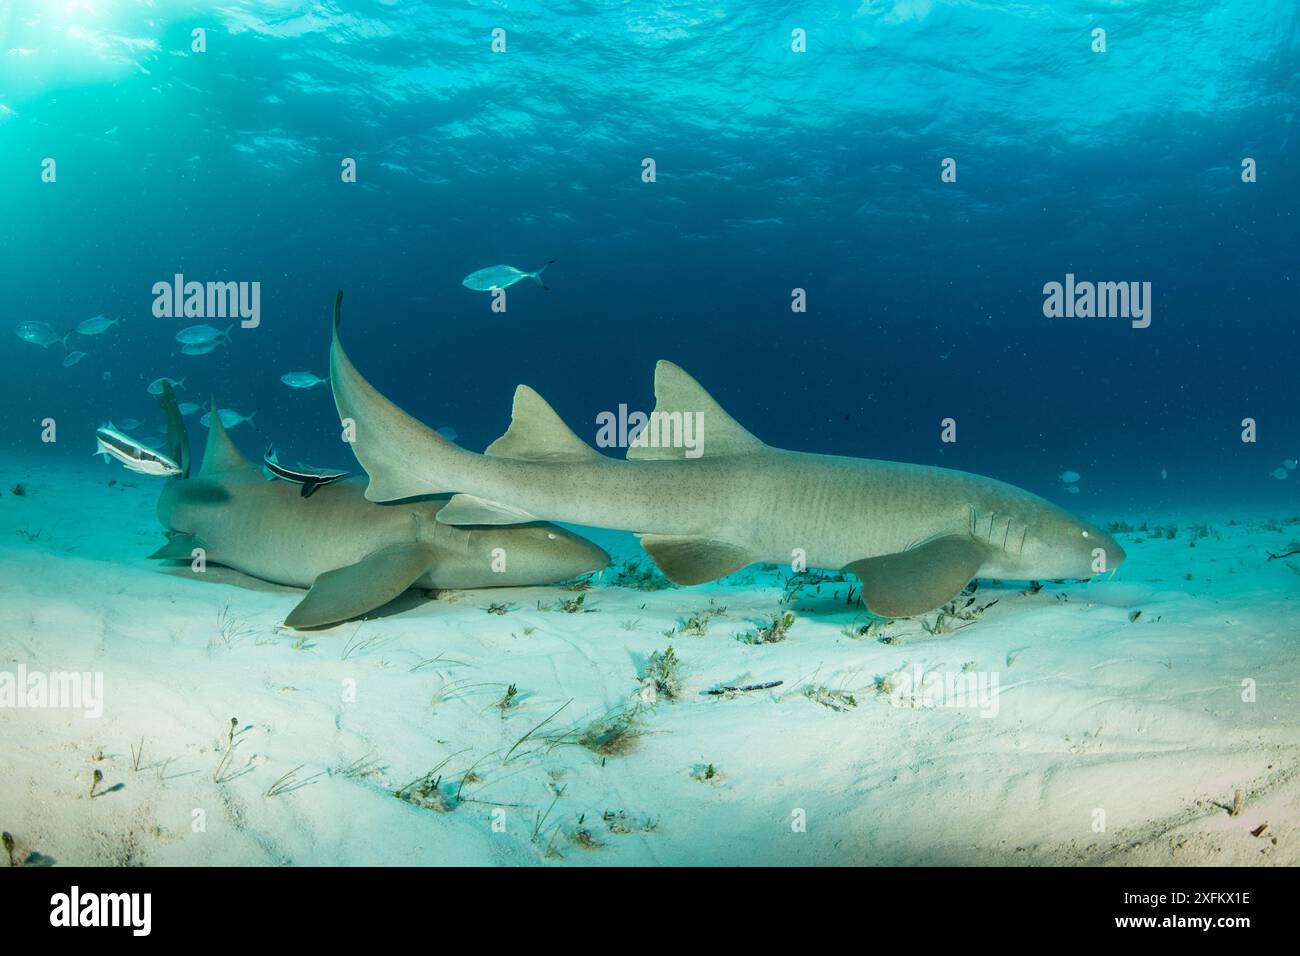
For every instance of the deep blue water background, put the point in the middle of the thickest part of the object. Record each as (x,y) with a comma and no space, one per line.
(775,170)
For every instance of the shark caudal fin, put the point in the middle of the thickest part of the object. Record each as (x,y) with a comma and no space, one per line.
(403,457)
(178,439)
(688,423)
(372,582)
(220,453)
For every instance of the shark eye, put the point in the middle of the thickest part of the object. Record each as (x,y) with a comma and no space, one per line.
(1085,534)
(552,536)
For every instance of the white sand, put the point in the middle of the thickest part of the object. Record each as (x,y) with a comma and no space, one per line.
(1143,720)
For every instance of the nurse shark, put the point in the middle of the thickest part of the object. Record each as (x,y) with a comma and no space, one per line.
(354,555)
(914,535)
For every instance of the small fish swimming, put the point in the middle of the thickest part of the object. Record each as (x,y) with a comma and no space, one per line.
(1164,473)
(1290,464)
(72,358)
(229,417)
(201,349)
(1280,473)
(40,333)
(309,478)
(155,387)
(130,424)
(97,325)
(447,432)
(501,277)
(1069,477)
(111,443)
(189,408)
(302,380)
(1073,489)
(202,335)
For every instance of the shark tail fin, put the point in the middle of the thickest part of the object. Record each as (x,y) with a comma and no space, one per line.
(403,457)
(178,439)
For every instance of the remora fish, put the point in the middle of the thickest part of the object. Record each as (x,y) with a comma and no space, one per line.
(111,443)
(914,535)
(309,478)
(354,555)
(501,277)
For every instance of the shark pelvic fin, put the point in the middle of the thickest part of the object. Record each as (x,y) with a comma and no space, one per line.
(537,433)
(919,579)
(688,560)
(220,453)
(179,547)
(678,396)
(468,509)
(372,582)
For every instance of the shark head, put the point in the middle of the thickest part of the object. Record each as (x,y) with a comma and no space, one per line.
(1058,545)
(538,553)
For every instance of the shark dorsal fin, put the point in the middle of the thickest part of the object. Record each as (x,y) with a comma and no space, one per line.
(677,396)
(536,433)
(220,453)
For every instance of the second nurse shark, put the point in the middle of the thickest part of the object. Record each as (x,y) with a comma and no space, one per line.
(915,535)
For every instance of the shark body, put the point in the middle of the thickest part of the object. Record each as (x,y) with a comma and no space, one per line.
(353,554)
(915,535)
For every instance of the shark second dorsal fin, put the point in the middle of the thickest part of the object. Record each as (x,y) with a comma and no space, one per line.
(220,453)
(536,433)
(687,422)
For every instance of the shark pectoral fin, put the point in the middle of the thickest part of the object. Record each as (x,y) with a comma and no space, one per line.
(370,583)
(688,560)
(919,579)
(179,547)
(467,509)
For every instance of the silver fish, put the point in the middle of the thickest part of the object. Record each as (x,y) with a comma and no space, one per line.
(302,380)
(203,349)
(501,277)
(39,333)
(96,326)
(202,335)
(189,408)
(72,358)
(229,417)
(155,387)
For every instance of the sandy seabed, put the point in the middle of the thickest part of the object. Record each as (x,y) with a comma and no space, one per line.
(1130,716)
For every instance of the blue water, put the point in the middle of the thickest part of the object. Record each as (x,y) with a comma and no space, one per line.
(775,170)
